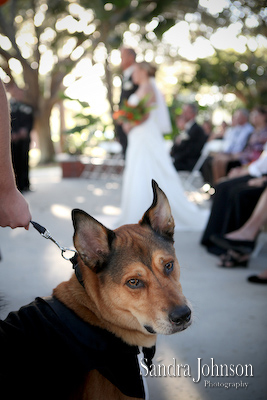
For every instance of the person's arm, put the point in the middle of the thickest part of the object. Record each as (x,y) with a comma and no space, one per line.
(14,210)
(259,167)
(256,169)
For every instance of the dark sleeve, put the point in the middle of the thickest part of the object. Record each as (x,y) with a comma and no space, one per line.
(35,348)
(192,146)
(125,94)
(26,117)
(197,139)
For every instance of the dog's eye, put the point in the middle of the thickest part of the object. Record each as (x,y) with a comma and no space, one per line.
(168,268)
(134,283)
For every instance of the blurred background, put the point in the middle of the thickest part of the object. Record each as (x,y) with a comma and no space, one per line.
(64,55)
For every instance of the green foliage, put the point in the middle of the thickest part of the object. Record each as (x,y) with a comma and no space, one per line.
(175,109)
(77,139)
(242,74)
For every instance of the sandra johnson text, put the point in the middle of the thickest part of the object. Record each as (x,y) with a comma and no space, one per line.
(203,370)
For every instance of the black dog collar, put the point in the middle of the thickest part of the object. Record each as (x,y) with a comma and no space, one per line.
(75,266)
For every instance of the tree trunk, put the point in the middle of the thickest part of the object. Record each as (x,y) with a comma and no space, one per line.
(241,96)
(109,85)
(42,126)
(62,125)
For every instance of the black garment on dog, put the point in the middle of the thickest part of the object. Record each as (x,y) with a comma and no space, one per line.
(46,352)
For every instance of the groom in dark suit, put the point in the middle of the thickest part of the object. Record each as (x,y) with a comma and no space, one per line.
(128,87)
(186,150)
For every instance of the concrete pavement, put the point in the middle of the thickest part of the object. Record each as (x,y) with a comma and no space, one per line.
(230,323)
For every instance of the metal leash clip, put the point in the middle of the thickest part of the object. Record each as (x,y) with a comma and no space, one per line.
(47,235)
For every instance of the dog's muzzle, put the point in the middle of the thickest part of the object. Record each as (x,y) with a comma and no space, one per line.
(177,320)
(180,317)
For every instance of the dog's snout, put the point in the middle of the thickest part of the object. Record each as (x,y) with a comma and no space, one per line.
(180,315)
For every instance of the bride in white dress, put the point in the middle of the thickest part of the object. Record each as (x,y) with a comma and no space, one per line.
(147,158)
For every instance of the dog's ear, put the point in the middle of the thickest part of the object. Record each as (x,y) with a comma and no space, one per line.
(91,239)
(159,215)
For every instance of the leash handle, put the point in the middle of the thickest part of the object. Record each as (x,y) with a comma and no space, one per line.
(47,235)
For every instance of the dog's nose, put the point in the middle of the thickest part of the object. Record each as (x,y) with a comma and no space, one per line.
(180,315)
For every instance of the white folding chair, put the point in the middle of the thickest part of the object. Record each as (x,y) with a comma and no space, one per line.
(214,146)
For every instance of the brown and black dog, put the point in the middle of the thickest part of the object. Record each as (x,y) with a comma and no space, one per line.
(130,290)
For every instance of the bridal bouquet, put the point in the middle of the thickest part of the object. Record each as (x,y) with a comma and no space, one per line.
(130,113)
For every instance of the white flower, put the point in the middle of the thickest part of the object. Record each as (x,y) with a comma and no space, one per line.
(128,85)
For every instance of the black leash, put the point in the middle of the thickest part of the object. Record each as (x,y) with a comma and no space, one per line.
(73,259)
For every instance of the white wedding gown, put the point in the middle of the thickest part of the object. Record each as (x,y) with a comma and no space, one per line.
(147,158)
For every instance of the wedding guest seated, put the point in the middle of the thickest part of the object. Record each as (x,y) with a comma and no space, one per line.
(186,151)
(215,146)
(240,244)
(219,132)
(180,122)
(234,143)
(234,201)
(256,141)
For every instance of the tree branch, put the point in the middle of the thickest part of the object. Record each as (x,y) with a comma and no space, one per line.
(9,30)
(5,54)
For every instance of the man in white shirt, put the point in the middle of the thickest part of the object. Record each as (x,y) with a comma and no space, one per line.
(237,137)
(235,141)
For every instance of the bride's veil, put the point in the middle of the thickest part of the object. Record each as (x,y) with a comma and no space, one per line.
(162,109)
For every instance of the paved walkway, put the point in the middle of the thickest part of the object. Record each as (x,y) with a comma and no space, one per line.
(229,313)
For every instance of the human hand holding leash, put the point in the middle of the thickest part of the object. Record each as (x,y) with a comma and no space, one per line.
(14,211)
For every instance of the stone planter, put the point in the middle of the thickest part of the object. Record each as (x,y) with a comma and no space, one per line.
(71,166)
(89,167)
